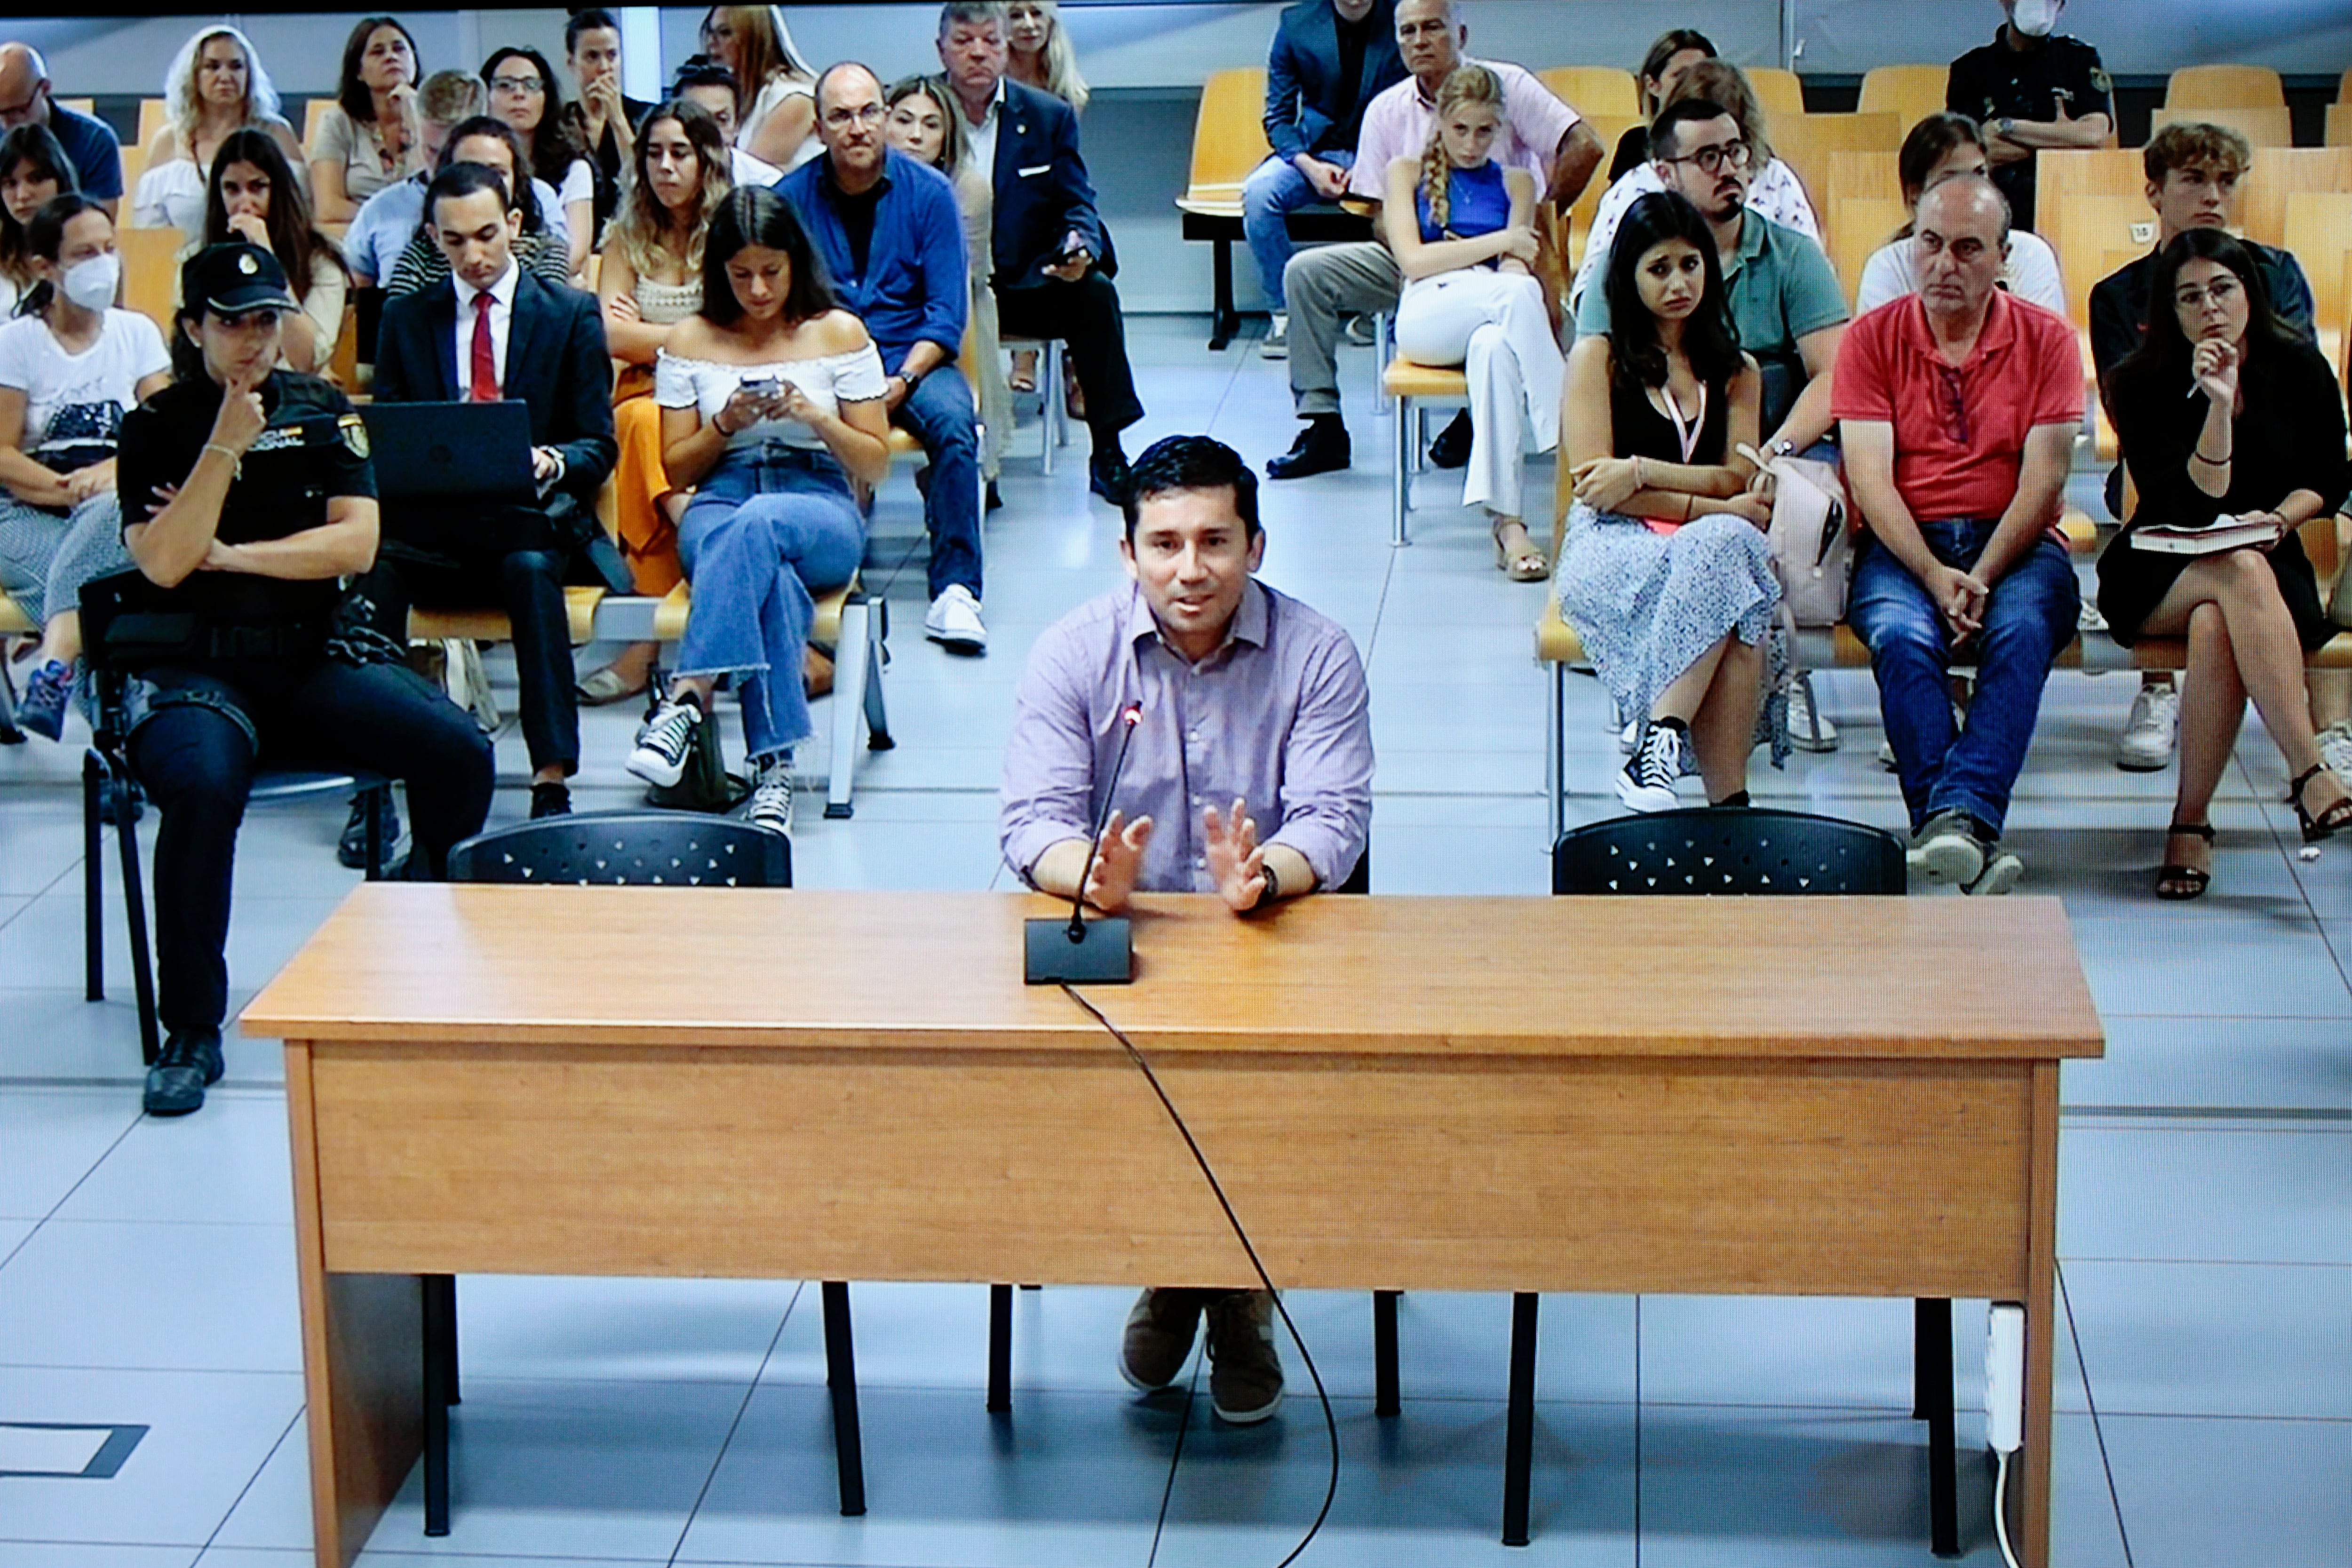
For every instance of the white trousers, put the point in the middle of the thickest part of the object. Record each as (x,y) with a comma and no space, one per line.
(1493,325)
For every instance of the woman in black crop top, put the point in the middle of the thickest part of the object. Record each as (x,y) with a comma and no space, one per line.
(1664,571)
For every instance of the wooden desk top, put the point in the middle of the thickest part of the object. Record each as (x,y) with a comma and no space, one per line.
(1941,977)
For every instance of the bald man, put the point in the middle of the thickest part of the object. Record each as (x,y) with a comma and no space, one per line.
(90,146)
(1958,406)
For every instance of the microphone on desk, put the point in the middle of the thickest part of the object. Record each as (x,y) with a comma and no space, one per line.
(1076,952)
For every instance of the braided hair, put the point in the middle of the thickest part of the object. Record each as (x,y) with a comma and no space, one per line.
(1463,84)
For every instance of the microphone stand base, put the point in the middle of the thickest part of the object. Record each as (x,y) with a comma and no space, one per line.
(1104,954)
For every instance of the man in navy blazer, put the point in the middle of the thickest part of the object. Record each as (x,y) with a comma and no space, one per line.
(491,332)
(1330,59)
(1054,260)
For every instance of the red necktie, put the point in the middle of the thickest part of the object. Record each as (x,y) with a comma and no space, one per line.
(486,363)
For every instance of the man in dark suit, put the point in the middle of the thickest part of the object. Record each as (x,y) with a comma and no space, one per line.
(1330,59)
(493,331)
(1054,259)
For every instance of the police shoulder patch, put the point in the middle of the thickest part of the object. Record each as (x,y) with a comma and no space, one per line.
(354,434)
(2100,81)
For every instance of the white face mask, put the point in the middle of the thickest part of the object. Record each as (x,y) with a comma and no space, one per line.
(2034,18)
(91,282)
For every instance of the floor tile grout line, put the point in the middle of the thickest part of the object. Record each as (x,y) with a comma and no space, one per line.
(67,1196)
(2091,1403)
(253,1481)
(685,1527)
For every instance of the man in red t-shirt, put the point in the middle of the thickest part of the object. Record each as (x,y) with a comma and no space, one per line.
(1957,407)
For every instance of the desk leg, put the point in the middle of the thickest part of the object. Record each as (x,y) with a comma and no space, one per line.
(362,1342)
(1386,1395)
(1224,320)
(1931,1374)
(1000,1350)
(1520,1423)
(440,1312)
(2030,1513)
(841,1377)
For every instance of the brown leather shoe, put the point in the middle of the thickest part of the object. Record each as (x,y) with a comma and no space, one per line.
(1158,1337)
(1244,1372)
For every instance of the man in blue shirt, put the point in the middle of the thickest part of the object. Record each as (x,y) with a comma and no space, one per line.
(892,239)
(89,145)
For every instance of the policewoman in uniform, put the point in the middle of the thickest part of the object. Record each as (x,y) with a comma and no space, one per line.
(2030,88)
(247,495)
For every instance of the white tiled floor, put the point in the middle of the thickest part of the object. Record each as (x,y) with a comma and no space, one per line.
(146,1268)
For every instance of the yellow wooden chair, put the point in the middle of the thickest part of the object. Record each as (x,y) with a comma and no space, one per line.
(1908,92)
(1857,227)
(2225,87)
(149,273)
(2279,173)
(1595,90)
(1778,93)
(154,115)
(1805,141)
(2320,234)
(2340,125)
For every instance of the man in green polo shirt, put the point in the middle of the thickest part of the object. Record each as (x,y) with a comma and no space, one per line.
(1785,300)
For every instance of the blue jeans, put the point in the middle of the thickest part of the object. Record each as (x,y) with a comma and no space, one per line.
(768,529)
(940,414)
(2029,620)
(1274,190)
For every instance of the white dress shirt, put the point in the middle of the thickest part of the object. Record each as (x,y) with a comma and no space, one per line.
(981,138)
(502,295)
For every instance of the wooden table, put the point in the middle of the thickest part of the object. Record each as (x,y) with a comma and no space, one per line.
(1829,1096)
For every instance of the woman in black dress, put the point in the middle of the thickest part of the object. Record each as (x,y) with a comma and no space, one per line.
(2222,413)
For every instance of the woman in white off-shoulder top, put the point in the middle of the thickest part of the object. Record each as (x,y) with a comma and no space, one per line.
(772,404)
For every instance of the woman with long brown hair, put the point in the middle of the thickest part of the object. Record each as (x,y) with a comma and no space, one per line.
(775,102)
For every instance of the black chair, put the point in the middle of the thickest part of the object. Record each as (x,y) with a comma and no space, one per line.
(110,794)
(1386,1398)
(638,849)
(1751,852)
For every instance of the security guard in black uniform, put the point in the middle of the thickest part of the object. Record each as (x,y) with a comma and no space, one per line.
(2030,90)
(247,495)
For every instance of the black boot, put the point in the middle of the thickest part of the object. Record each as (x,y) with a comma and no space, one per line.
(1321,448)
(1108,475)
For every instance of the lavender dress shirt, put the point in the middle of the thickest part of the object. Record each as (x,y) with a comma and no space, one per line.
(1279,715)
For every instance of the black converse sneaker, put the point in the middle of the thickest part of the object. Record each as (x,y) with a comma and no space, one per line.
(1647,783)
(663,745)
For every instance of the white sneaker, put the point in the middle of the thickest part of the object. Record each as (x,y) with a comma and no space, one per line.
(2150,733)
(1646,783)
(769,803)
(2002,870)
(1629,737)
(1276,344)
(1946,848)
(2335,749)
(1810,729)
(953,622)
(664,744)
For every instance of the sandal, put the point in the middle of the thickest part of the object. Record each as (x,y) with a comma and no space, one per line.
(1524,564)
(1022,380)
(2177,880)
(607,686)
(2315,828)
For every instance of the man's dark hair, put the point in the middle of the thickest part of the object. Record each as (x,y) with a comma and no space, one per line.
(587,19)
(701,70)
(1665,132)
(461,180)
(754,214)
(1191,463)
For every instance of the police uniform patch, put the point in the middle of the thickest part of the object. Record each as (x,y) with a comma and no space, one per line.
(246,265)
(2102,81)
(355,435)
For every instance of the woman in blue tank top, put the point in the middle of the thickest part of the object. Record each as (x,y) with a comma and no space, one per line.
(1462,228)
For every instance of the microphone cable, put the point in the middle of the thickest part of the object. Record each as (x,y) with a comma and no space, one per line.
(1330,1423)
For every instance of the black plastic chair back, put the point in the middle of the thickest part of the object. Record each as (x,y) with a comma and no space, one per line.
(1359,881)
(1702,850)
(628,848)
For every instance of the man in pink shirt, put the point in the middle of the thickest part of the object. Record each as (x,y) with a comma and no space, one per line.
(1958,406)
(1326,285)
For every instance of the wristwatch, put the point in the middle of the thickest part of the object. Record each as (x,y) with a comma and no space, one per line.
(1273,884)
(1783,447)
(2004,125)
(909,376)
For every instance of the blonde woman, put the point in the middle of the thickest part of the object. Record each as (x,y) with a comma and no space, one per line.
(924,124)
(650,280)
(775,107)
(1461,227)
(1038,52)
(216,85)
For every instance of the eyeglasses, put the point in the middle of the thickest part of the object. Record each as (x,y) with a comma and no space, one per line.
(866,114)
(2220,291)
(521,85)
(1711,160)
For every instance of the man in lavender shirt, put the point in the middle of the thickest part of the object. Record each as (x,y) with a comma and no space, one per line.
(1250,776)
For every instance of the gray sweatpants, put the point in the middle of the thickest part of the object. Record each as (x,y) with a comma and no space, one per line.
(1325,286)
